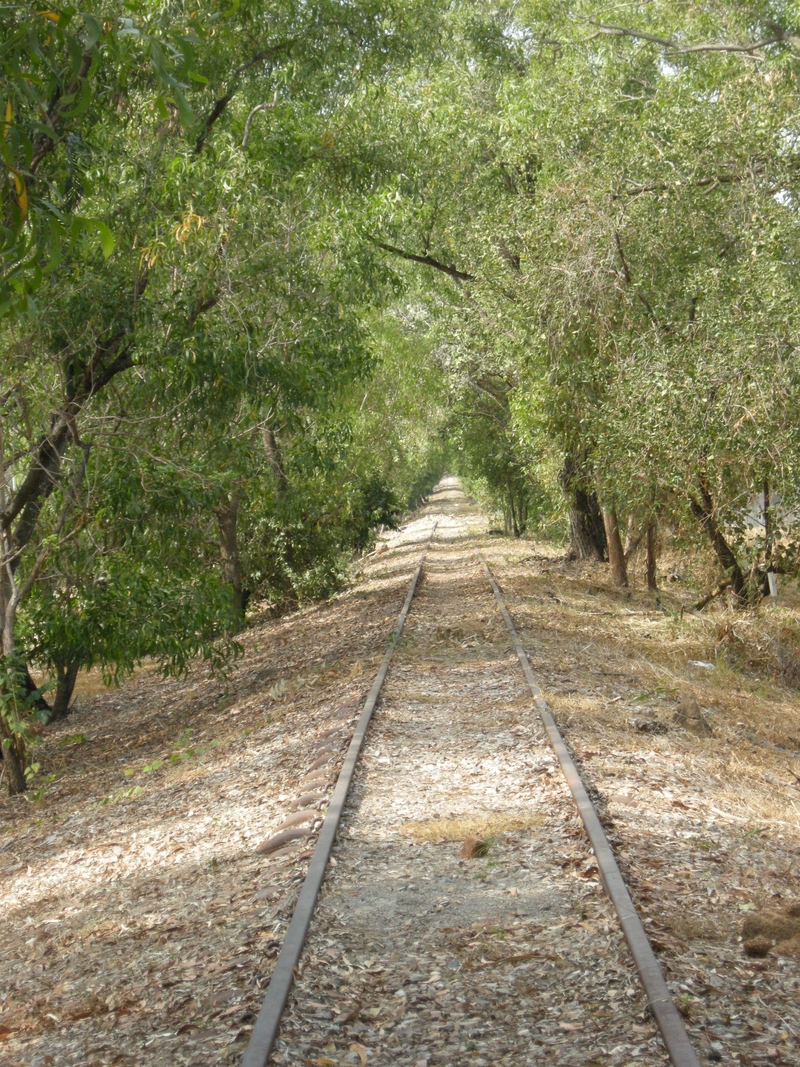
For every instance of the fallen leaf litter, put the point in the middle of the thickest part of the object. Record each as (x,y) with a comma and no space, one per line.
(510,955)
(142,928)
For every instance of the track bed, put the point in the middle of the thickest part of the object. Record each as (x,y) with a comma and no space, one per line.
(419,955)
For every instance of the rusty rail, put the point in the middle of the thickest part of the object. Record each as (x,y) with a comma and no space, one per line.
(269,1017)
(668,1019)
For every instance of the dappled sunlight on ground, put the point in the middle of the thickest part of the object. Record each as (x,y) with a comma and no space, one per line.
(142,924)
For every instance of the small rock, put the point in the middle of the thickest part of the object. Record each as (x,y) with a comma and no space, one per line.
(649,726)
(473,848)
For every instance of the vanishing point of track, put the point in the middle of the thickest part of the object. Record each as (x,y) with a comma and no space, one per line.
(659,1001)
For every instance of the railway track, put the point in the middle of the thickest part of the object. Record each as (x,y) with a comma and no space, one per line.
(410,958)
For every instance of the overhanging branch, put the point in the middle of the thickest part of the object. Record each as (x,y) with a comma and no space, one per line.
(426,261)
(219,107)
(671,45)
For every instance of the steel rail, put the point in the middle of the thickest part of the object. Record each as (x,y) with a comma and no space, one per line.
(668,1019)
(269,1017)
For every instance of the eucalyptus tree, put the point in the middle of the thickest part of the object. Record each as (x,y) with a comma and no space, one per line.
(180,164)
(612,198)
(664,275)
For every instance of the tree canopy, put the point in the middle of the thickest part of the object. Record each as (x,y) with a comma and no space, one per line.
(268,269)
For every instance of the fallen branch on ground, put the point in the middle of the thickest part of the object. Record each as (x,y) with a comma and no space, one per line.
(712,595)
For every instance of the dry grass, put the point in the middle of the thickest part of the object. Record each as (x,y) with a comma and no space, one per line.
(480,826)
(608,657)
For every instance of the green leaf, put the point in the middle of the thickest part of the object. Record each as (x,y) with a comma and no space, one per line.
(107,239)
(104,234)
(184,110)
(94,30)
(84,99)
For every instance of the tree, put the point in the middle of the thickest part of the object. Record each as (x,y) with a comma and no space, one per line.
(191,194)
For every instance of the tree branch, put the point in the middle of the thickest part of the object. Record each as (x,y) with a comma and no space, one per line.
(634,544)
(628,279)
(201,307)
(44,143)
(221,104)
(715,592)
(259,107)
(709,182)
(426,261)
(685,49)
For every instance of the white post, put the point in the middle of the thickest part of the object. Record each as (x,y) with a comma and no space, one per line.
(773,587)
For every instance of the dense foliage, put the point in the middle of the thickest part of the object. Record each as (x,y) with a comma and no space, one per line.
(266,269)
(608,198)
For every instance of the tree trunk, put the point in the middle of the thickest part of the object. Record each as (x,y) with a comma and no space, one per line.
(40,704)
(632,542)
(705,512)
(616,555)
(227,514)
(651,557)
(13,758)
(586,531)
(12,745)
(66,676)
(273,450)
(515,530)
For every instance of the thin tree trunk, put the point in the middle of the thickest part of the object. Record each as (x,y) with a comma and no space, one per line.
(616,555)
(650,567)
(705,512)
(273,450)
(632,542)
(12,745)
(514,521)
(13,756)
(523,516)
(66,676)
(227,514)
(767,527)
(40,704)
